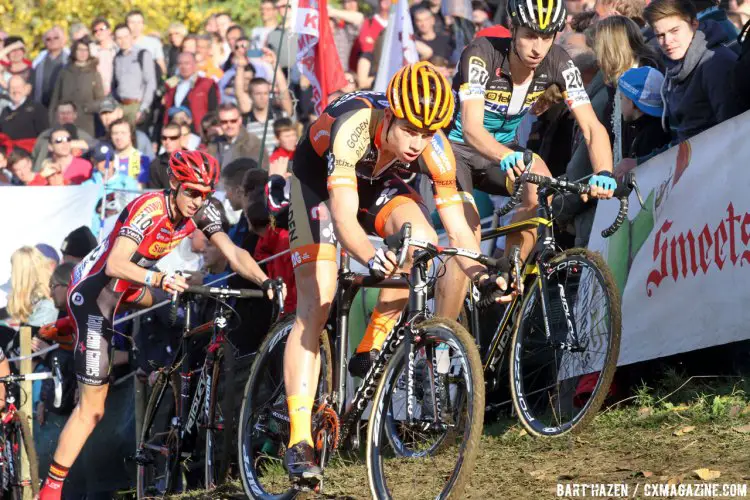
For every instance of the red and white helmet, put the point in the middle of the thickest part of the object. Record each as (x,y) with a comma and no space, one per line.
(195,169)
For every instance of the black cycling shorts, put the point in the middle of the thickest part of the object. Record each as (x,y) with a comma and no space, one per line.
(475,171)
(92,308)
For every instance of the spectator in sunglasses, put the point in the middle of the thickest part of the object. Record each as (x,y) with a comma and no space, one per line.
(235,141)
(170,142)
(62,167)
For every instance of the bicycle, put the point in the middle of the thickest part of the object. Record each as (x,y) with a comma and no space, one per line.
(16,436)
(540,328)
(425,385)
(176,414)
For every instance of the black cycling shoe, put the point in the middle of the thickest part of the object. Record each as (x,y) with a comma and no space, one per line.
(360,363)
(299,461)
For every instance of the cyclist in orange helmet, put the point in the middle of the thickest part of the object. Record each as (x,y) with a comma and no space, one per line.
(346,185)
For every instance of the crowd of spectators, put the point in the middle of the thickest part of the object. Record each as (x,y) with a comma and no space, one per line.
(111,106)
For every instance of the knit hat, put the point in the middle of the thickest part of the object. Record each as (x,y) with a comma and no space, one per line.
(79,243)
(643,87)
(48,251)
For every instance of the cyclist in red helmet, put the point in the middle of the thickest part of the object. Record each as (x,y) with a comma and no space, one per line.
(118,271)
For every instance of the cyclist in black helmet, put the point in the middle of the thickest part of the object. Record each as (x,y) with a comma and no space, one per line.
(498,81)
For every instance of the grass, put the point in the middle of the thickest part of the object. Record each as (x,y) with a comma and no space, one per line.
(663,432)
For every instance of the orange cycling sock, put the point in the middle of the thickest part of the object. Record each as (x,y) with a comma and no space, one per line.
(300,419)
(52,488)
(378,329)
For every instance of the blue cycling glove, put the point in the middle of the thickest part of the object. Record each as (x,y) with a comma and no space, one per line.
(510,160)
(604,180)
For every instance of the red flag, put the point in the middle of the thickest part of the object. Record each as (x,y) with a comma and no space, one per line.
(317,56)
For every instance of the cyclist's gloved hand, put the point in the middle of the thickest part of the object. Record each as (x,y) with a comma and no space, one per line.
(383,263)
(269,285)
(492,287)
(510,160)
(602,185)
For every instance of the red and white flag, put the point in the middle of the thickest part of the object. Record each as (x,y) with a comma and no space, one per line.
(317,57)
(399,47)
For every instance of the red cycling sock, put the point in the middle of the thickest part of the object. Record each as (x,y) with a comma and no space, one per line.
(52,488)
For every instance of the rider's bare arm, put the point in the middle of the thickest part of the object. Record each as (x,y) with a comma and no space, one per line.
(353,238)
(119,263)
(596,137)
(239,259)
(475,135)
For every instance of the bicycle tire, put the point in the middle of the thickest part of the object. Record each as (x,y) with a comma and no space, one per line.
(472,412)
(274,340)
(211,470)
(162,387)
(522,402)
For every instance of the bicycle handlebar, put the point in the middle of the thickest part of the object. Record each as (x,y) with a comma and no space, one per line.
(622,193)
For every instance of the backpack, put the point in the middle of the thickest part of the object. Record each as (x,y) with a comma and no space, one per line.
(741,71)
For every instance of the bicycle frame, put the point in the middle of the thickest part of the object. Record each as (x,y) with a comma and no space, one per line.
(538,259)
(349,284)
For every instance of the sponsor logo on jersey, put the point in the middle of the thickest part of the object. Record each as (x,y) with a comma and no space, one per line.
(331,163)
(93,345)
(355,138)
(478,74)
(152,206)
(77,299)
(321,133)
(157,249)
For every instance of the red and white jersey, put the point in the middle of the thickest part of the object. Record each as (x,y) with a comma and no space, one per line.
(147,220)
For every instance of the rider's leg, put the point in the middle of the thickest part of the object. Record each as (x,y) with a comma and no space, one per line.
(391,301)
(302,353)
(91,310)
(451,287)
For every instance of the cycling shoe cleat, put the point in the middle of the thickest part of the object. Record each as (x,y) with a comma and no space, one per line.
(299,461)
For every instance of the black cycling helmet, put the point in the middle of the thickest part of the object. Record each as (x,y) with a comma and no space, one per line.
(541,16)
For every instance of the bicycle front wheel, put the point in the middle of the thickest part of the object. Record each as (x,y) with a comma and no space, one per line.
(560,378)
(264,418)
(158,455)
(424,429)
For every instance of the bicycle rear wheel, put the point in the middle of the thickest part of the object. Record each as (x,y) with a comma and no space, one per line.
(264,418)
(158,456)
(20,439)
(554,383)
(429,442)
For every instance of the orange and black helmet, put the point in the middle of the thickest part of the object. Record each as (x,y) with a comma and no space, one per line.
(421,95)
(195,169)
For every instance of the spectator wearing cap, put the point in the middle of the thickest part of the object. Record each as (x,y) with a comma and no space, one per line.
(66,115)
(52,256)
(198,94)
(23,120)
(159,169)
(48,64)
(13,61)
(80,83)
(711,10)
(19,163)
(642,107)
(109,112)
(104,50)
(134,77)
(697,86)
(184,118)
(62,163)
(77,245)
